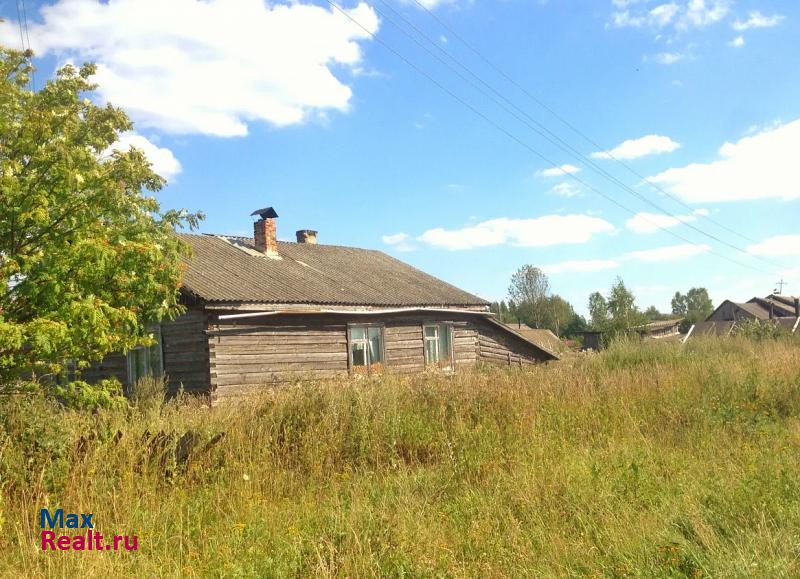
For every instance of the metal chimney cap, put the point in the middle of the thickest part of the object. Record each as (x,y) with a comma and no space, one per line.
(266,213)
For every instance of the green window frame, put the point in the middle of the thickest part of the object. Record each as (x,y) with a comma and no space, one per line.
(438,340)
(365,347)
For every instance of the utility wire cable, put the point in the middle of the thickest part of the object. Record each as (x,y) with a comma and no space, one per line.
(570,125)
(28,39)
(515,138)
(546,133)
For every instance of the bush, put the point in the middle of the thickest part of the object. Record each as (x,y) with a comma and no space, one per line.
(81,395)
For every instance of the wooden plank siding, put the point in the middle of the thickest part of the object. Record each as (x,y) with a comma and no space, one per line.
(235,357)
(184,351)
(184,348)
(499,347)
(248,353)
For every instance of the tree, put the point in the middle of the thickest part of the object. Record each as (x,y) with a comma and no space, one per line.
(695,306)
(575,327)
(556,313)
(87,257)
(653,315)
(598,311)
(529,287)
(502,312)
(622,308)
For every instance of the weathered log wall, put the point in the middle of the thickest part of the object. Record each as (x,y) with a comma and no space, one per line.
(184,346)
(500,347)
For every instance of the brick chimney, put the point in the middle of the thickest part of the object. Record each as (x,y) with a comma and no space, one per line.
(306,236)
(265,236)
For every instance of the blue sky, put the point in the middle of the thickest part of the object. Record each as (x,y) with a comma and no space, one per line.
(243,104)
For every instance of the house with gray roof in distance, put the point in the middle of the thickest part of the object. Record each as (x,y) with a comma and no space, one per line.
(261,311)
(778,309)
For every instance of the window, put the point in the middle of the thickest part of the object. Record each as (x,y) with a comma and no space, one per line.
(366,348)
(146,361)
(438,349)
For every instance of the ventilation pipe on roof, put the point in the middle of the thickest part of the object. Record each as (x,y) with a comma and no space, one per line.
(265,233)
(797,307)
(306,236)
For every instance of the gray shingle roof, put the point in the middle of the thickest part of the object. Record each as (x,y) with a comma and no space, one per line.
(229,270)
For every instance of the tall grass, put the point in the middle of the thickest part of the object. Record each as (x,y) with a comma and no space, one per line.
(643,461)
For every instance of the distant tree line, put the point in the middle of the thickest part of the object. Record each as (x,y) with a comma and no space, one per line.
(531,302)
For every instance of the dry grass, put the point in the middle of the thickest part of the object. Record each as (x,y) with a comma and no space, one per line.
(643,461)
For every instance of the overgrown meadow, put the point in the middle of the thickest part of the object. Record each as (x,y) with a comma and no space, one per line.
(647,460)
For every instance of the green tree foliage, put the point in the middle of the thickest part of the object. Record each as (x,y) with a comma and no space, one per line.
(654,315)
(694,306)
(528,289)
(557,313)
(622,308)
(87,257)
(502,312)
(616,314)
(598,311)
(531,303)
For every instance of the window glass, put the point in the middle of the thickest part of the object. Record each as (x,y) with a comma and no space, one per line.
(431,356)
(359,354)
(438,346)
(375,346)
(366,346)
(146,361)
(444,343)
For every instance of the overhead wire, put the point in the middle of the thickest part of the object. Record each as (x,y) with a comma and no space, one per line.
(517,139)
(570,125)
(545,132)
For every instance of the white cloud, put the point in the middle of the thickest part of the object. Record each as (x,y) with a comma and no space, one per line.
(651,222)
(737,42)
(701,13)
(566,189)
(399,241)
(668,57)
(566,169)
(760,166)
(430,4)
(680,15)
(663,14)
(581,266)
(211,66)
(535,232)
(641,147)
(669,253)
(780,245)
(757,20)
(162,161)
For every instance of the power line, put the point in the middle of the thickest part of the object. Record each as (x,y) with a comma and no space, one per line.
(542,129)
(571,126)
(28,38)
(513,137)
(22,20)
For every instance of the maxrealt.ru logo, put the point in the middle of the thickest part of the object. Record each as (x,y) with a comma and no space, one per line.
(90,541)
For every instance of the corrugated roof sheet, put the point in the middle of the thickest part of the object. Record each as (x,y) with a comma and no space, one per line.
(227,269)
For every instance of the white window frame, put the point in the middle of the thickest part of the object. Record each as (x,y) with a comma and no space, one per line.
(365,341)
(439,327)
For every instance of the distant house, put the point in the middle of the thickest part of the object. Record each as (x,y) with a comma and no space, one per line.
(262,311)
(660,329)
(783,311)
(540,336)
(771,307)
(593,340)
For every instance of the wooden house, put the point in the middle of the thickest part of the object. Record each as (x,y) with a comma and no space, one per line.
(262,311)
